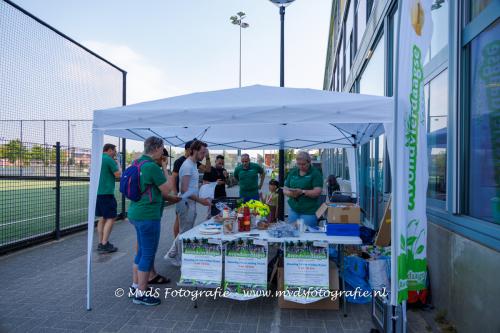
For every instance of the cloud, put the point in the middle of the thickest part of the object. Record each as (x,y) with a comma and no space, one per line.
(144,80)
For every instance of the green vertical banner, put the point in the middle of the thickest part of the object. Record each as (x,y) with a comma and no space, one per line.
(409,239)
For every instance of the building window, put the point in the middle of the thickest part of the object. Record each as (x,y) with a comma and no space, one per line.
(341,64)
(352,46)
(439,14)
(372,79)
(369,6)
(476,7)
(360,21)
(346,168)
(349,29)
(335,74)
(391,56)
(347,57)
(436,102)
(484,112)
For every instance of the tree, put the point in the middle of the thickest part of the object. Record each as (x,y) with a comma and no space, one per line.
(289,157)
(13,151)
(37,153)
(52,155)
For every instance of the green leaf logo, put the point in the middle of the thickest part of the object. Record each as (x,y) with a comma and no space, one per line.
(411,240)
(420,249)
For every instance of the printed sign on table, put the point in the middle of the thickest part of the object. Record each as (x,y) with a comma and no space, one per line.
(306,272)
(245,269)
(201,263)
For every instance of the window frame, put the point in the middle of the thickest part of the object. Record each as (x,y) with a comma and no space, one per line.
(434,73)
(461,34)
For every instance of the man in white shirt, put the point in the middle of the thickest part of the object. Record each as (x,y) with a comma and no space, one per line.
(188,190)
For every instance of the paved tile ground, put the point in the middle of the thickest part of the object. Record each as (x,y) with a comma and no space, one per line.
(44,288)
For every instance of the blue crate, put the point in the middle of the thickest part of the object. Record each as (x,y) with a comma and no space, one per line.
(342,229)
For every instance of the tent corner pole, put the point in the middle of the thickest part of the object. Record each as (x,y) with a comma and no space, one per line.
(281,198)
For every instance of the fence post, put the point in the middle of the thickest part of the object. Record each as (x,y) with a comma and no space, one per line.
(21,162)
(68,154)
(58,190)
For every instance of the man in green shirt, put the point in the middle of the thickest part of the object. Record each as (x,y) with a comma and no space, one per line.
(106,202)
(303,186)
(247,174)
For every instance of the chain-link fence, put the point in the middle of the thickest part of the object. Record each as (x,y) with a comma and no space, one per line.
(49,87)
(43,191)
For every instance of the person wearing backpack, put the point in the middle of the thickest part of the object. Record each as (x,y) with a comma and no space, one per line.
(145,213)
(106,203)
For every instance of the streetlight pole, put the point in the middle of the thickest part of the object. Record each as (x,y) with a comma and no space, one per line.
(282,4)
(240,59)
(238,20)
(282,47)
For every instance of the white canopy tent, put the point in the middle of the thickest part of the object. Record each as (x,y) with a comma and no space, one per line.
(254,117)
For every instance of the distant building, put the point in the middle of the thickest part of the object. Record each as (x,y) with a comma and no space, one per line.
(270,160)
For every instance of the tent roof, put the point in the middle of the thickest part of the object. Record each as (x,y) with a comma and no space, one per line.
(254,117)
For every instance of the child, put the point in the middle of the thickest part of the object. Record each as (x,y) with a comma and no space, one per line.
(271,199)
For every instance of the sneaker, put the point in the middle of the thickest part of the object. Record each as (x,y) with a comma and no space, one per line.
(99,247)
(107,248)
(132,291)
(146,300)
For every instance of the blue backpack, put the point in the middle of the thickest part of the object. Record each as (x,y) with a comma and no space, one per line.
(130,182)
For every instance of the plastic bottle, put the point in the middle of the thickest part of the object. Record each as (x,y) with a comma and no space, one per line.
(240,222)
(246,219)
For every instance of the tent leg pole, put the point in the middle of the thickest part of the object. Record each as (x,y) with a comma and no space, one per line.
(281,198)
(196,299)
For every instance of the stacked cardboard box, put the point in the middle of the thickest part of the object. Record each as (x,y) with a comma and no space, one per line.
(343,218)
(323,304)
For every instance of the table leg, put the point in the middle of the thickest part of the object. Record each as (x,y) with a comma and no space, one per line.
(196,299)
(341,261)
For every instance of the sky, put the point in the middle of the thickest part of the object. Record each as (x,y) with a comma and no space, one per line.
(174,47)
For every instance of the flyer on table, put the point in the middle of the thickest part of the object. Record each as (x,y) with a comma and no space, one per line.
(201,263)
(306,270)
(245,274)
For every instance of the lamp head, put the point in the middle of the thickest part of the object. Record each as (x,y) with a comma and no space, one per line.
(282,3)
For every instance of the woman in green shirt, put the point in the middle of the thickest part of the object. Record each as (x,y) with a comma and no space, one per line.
(145,216)
(303,186)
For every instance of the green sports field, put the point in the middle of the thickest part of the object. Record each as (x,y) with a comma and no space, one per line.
(27,207)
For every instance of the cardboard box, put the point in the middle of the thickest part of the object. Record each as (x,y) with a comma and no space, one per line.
(383,237)
(342,229)
(340,212)
(323,304)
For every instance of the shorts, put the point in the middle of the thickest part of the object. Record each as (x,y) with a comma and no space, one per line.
(148,238)
(106,206)
(253,197)
(186,209)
